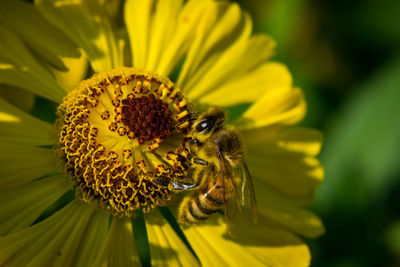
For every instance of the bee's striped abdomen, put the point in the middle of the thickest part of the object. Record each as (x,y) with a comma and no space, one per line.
(201,204)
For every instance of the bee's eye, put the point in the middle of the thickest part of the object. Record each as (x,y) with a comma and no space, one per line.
(205,125)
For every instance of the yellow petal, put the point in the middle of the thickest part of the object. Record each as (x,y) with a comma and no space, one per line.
(224,30)
(19,127)
(258,245)
(289,217)
(166,247)
(51,242)
(18,97)
(162,28)
(89,25)
(159,31)
(174,49)
(297,220)
(21,164)
(290,174)
(299,140)
(276,196)
(19,68)
(249,87)
(285,160)
(275,107)
(119,248)
(92,241)
(245,54)
(21,206)
(44,39)
(138,21)
(77,72)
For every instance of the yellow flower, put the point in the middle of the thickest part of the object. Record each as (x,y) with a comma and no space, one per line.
(209,47)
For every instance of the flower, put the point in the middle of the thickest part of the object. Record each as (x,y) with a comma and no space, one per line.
(208,46)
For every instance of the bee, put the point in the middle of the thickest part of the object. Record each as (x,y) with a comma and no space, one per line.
(219,175)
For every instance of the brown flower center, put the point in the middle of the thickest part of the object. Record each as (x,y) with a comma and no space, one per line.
(147,117)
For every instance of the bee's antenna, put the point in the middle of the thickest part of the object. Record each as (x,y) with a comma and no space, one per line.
(192,116)
(193,113)
(187,121)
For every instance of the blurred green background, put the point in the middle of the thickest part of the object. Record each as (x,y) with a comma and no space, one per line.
(345,55)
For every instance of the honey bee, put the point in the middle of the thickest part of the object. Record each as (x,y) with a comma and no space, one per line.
(220,175)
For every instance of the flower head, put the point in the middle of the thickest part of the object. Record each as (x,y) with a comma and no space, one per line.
(119,131)
(74,193)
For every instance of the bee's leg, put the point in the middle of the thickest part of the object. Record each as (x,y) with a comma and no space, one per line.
(162,181)
(195,160)
(165,182)
(183,186)
(199,174)
(199,161)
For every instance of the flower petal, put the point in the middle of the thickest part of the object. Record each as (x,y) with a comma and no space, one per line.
(259,245)
(162,27)
(224,30)
(177,43)
(298,140)
(285,161)
(249,87)
(274,107)
(286,175)
(294,219)
(21,206)
(89,25)
(166,247)
(18,97)
(94,237)
(45,40)
(291,174)
(138,21)
(19,127)
(301,140)
(77,72)
(21,164)
(51,242)
(119,248)
(19,68)
(244,55)
(171,25)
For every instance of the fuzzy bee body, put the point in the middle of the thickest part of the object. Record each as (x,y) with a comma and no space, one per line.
(199,205)
(219,177)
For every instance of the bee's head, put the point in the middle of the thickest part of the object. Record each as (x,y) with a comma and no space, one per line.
(207,123)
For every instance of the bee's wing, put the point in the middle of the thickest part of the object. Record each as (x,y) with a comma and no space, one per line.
(239,197)
(232,206)
(246,192)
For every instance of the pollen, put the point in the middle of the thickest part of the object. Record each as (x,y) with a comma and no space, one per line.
(117,132)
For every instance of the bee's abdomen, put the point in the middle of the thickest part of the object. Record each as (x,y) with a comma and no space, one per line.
(199,206)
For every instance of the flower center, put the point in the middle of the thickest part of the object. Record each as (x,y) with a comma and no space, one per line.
(117,133)
(147,118)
